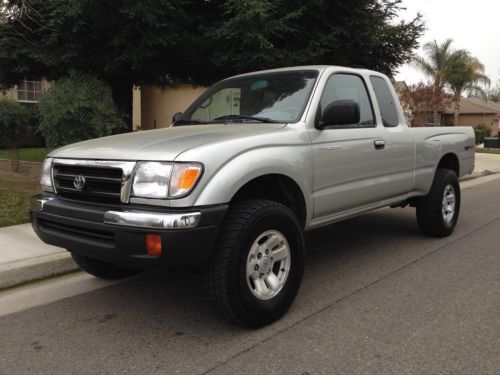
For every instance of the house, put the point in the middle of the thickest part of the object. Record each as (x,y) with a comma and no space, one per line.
(474,112)
(153,107)
(28,91)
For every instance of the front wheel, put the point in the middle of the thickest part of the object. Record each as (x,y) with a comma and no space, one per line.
(256,271)
(437,212)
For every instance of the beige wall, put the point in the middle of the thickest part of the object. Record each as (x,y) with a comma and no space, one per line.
(159,105)
(136,108)
(9,94)
(489,120)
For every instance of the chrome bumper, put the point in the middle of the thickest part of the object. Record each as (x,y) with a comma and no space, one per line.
(139,219)
(152,220)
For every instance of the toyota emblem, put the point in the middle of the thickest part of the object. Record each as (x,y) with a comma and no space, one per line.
(79,182)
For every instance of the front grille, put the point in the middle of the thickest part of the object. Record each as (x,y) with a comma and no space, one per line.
(102,184)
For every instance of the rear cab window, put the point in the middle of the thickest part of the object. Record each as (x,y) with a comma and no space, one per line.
(386,101)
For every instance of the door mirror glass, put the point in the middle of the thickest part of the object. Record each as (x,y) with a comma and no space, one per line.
(340,113)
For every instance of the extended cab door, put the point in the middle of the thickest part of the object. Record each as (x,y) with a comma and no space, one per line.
(357,165)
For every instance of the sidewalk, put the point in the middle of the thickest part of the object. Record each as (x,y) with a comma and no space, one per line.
(24,257)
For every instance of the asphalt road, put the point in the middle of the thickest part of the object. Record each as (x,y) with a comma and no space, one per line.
(377,298)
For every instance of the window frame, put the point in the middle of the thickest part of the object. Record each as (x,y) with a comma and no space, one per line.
(22,87)
(317,117)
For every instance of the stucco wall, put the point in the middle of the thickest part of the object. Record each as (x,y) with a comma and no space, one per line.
(159,105)
(489,120)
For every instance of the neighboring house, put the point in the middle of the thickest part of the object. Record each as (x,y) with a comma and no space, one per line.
(154,107)
(28,91)
(474,112)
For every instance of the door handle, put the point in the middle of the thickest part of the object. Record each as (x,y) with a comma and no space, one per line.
(379,144)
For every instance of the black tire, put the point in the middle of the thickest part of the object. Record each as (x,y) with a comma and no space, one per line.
(229,290)
(102,269)
(430,217)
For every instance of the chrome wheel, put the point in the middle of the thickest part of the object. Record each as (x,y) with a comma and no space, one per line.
(449,203)
(268,264)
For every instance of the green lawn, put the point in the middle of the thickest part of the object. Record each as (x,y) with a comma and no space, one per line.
(14,207)
(28,154)
(488,150)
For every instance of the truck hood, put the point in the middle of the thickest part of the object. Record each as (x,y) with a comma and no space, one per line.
(162,144)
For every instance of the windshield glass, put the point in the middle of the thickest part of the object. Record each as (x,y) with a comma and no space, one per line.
(267,97)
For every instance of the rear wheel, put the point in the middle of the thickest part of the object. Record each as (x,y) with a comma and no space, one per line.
(256,271)
(102,269)
(437,212)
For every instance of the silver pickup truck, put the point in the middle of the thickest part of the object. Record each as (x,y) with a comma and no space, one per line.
(253,163)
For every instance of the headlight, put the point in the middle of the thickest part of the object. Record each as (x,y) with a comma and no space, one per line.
(151,180)
(46,177)
(165,180)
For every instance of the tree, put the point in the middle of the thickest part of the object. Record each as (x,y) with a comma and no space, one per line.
(14,124)
(161,42)
(436,65)
(456,69)
(465,73)
(426,98)
(77,108)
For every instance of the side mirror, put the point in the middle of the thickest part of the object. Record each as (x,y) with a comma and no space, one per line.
(340,112)
(176,117)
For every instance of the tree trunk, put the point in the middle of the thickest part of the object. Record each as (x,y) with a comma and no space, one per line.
(457,111)
(122,96)
(15,158)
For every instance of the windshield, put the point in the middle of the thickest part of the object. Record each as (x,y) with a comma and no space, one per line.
(267,97)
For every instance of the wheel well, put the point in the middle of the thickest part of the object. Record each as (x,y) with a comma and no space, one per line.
(450,161)
(278,188)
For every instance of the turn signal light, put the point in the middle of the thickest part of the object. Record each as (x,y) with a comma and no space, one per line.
(184,178)
(153,244)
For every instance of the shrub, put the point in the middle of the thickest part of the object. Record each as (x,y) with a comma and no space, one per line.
(77,108)
(14,125)
(481,131)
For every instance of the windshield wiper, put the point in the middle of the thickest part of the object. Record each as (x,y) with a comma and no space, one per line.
(244,117)
(188,122)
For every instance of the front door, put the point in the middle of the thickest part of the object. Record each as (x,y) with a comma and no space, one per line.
(355,164)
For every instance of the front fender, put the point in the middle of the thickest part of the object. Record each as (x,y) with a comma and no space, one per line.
(294,162)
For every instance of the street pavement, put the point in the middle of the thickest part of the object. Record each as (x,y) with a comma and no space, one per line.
(377,297)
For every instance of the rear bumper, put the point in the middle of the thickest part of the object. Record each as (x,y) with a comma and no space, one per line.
(116,234)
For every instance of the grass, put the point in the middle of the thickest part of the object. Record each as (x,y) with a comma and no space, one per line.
(28,154)
(488,150)
(14,207)
(16,190)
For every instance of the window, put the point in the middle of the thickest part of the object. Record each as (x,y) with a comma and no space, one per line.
(278,96)
(349,87)
(385,101)
(29,91)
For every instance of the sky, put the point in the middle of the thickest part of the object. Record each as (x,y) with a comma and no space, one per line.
(473,25)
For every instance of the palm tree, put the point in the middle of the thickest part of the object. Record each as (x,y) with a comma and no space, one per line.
(437,63)
(466,73)
(438,59)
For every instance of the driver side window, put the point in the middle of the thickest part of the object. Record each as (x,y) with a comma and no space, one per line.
(340,87)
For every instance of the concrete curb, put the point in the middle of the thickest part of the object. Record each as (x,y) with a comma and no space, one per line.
(41,267)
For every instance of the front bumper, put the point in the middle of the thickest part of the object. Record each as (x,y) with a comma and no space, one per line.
(116,233)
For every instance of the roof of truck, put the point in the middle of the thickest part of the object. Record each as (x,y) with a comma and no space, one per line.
(307,67)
